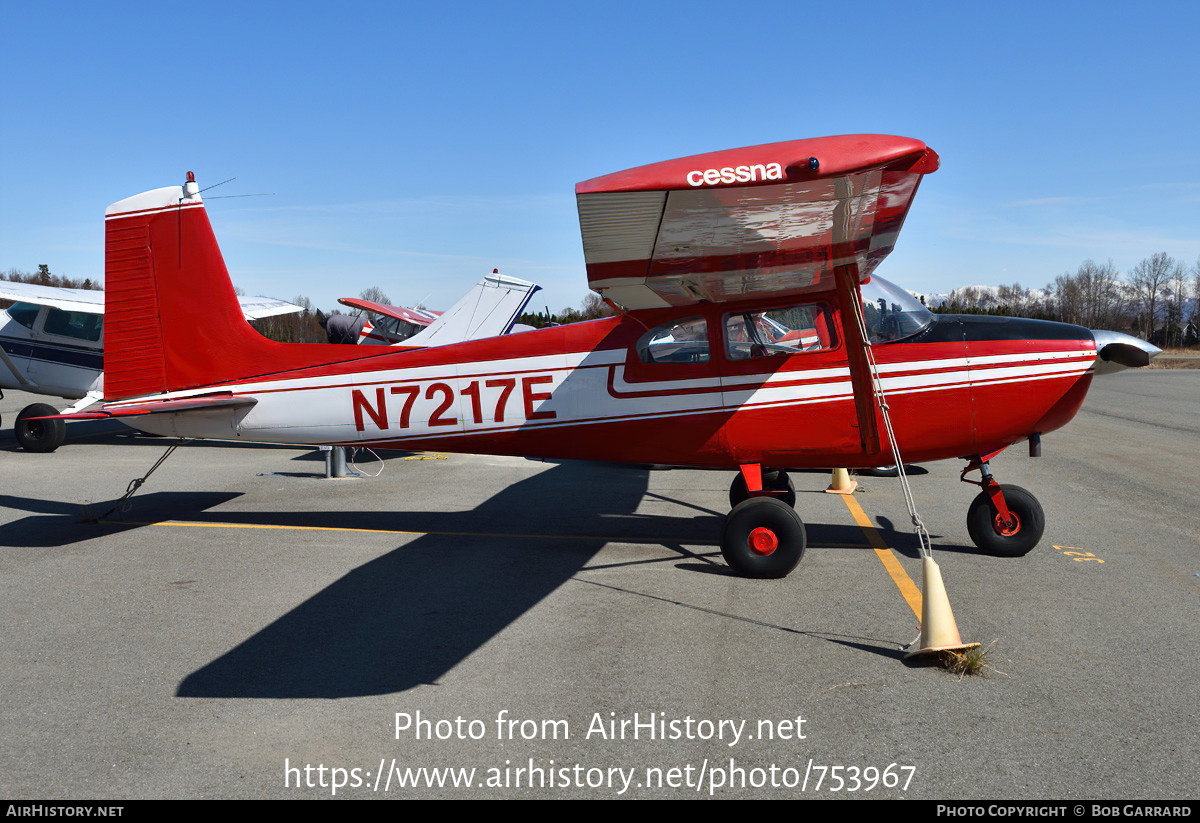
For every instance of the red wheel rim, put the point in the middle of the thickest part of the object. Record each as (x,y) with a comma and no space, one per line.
(763,541)
(1007,529)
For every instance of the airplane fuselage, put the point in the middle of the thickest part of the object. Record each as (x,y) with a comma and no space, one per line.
(45,352)
(960,386)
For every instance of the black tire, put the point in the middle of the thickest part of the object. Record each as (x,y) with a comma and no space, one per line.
(763,520)
(39,435)
(1016,540)
(775,484)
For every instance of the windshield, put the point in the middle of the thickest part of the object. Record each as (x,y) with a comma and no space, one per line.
(24,313)
(890,312)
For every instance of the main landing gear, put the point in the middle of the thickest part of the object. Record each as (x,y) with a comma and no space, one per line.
(763,536)
(1002,519)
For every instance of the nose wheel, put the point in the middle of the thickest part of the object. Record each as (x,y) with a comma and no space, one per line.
(1008,536)
(763,538)
(1003,520)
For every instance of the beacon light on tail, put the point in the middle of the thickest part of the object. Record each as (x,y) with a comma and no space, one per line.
(738,347)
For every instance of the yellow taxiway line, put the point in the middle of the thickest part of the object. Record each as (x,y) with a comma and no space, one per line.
(908,589)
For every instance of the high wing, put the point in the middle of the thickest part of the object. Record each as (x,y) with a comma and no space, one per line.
(88,301)
(488,310)
(91,301)
(766,220)
(419,317)
(256,308)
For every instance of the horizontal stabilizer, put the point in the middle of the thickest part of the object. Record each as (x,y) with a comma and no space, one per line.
(204,402)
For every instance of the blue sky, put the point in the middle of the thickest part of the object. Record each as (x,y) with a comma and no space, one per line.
(415,147)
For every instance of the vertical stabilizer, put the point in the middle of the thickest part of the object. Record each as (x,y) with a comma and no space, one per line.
(167,294)
(172,320)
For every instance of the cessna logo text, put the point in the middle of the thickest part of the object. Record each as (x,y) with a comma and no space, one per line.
(735,174)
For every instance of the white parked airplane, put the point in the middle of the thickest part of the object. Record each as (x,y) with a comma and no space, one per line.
(52,343)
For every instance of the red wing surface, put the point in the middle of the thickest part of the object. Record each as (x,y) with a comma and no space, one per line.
(760,221)
(418,318)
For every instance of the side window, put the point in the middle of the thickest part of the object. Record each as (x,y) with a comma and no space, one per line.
(680,341)
(24,313)
(790,330)
(75,324)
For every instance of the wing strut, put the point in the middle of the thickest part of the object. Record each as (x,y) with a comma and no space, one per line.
(857,348)
(857,343)
(939,633)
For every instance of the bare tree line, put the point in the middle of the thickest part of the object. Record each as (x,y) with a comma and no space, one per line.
(1159,300)
(44,277)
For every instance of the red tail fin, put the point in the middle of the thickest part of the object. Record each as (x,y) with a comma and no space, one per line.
(172,320)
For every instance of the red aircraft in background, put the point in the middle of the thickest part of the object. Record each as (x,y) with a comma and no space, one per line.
(489,309)
(750,314)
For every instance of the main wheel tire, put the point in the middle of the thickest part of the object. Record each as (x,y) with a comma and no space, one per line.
(1006,539)
(39,435)
(763,538)
(775,484)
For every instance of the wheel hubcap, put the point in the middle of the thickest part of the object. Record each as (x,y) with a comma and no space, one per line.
(763,541)
(1007,528)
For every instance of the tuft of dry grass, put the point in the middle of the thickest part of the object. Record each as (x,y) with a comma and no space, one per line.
(1177,358)
(973,661)
(1175,362)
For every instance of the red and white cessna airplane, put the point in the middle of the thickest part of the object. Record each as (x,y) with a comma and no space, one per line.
(749,304)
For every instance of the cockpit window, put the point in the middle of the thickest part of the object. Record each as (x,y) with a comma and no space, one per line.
(680,341)
(386,324)
(890,312)
(786,331)
(77,324)
(24,313)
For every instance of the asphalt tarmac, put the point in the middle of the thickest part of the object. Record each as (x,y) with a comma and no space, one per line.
(463,626)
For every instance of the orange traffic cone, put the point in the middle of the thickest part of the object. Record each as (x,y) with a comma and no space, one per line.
(842,484)
(938,630)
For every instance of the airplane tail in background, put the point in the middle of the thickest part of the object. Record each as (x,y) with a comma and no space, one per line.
(490,309)
(172,320)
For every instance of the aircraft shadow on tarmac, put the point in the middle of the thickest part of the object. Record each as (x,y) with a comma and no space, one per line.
(55,523)
(409,616)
